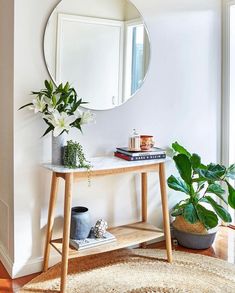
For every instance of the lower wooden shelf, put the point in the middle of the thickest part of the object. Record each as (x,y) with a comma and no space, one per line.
(126,235)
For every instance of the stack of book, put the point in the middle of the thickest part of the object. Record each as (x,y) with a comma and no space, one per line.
(153,154)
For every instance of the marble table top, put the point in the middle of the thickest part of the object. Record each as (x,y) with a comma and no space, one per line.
(105,163)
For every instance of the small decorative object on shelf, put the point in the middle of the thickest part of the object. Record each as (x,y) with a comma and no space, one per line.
(59,107)
(92,241)
(80,223)
(134,141)
(74,156)
(146,142)
(153,154)
(100,228)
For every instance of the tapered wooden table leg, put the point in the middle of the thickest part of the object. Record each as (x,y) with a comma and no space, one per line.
(144,197)
(50,223)
(165,211)
(66,230)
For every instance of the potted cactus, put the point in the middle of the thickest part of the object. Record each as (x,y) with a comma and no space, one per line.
(200,211)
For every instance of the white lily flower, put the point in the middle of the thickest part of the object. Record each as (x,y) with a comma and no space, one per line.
(39,105)
(60,121)
(78,113)
(87,117)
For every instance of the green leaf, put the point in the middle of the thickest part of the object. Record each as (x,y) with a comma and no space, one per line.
(54,100)
(207,217)
(66,87)
(217,190)
(190,214)
(212,172)
(218,169)
(177,184)
(180,149)
(184,167)
(177,212)
(231,196)
(220,211)
(48,86)
(179,208)
(231,172)
(199,180)
(49,129)
(195,161)
(30,104)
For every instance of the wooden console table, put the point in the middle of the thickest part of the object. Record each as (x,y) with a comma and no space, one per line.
(127,235)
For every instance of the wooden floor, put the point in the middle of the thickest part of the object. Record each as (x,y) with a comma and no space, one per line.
(223,248)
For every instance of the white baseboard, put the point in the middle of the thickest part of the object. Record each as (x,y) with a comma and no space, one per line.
(32,266)
(6,260)
(20,269)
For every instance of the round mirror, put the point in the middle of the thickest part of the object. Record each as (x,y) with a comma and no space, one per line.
(101,47)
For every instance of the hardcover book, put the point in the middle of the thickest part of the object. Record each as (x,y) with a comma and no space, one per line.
(139,158)
(153,151)
(92,241)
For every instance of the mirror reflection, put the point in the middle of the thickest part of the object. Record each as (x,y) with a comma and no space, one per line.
(101,47)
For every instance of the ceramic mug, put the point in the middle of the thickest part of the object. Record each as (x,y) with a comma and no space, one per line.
(146,142)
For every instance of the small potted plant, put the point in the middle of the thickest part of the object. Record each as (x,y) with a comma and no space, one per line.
(199,212)
(60,108)
(74,156)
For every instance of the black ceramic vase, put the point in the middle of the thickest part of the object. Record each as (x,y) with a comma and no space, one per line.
(80,223)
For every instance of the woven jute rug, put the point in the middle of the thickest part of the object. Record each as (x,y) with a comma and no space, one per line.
(140,271)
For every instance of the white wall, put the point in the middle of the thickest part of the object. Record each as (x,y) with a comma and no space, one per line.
(6,131)
(180,100)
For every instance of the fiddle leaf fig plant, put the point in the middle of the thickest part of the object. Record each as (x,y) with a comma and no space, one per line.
(202,184)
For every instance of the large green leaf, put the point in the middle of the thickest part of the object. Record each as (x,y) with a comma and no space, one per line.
(184,167)
(195,161)
(180,149)
(231,172)
(212,172)
(218,169)
(207,217)
(231,196)
(177,184)
(190,214)
(217,190)
(220,211)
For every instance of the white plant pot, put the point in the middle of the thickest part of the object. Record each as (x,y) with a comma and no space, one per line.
(58,144)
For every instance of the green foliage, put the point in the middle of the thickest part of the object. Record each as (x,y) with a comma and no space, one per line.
(62,98)
(178,184)
(190,214)
(74,156)
(184,167)
(231,196)
(198,181)
(231,172)
(207,217)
